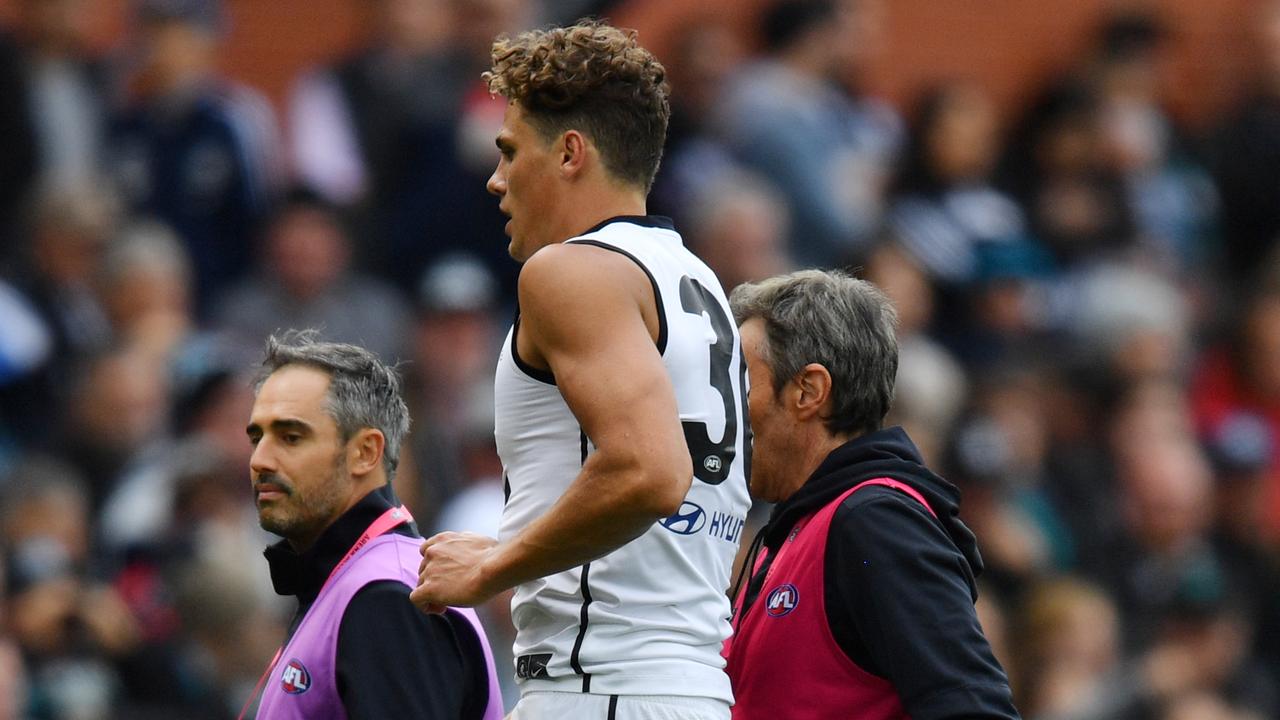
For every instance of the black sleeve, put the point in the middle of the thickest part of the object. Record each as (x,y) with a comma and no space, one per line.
(395,661)
(900,602)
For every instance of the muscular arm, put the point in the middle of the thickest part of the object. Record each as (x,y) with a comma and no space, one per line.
(583,317)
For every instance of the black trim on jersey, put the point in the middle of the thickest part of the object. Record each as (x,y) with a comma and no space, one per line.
(574,661)
(613,708)
(661,342)
(652,221)
(506,489)
(583,619)
(542,376)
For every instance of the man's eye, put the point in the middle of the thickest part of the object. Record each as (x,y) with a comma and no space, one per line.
(255,440)
(292,438)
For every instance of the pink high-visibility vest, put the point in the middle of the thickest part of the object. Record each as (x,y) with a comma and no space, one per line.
(782,659)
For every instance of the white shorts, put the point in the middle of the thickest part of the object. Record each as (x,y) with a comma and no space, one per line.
(557,705)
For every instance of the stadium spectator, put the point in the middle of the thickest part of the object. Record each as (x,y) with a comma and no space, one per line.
(931,386)
(705,54)
(787,117)
(450,394)
(71,627)
(738,226)
(144,283)
(1054,165)
(1241,375)
(386,134)
(191,148)
(70,91)
(305,279)
(944,208)
(1246,159)
(117,417)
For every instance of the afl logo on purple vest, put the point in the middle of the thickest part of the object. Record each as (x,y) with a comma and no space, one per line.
(688,520)
(782,600)
(295,679)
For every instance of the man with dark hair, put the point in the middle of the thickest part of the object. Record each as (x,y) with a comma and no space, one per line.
(620,403)
(861,590)
(327,426)
(798,118)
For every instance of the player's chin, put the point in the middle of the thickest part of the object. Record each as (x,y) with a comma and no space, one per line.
(516,251)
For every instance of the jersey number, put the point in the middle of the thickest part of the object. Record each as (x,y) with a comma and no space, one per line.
(712,458)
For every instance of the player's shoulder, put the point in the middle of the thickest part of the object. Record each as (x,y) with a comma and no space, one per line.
(574,267)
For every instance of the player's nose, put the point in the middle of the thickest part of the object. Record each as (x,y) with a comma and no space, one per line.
(497,184)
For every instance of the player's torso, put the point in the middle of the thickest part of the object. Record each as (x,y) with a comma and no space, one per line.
(655,606)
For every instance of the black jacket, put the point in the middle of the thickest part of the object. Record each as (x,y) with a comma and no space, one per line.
(899,583)
(393,661)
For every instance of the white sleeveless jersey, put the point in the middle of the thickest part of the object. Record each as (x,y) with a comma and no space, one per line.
(650,617)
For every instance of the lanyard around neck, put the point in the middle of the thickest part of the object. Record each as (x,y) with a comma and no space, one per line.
(386,521)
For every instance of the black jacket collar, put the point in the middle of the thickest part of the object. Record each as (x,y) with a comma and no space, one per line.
(303,574)
(884,453)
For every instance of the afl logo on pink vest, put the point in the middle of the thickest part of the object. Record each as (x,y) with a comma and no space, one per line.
(295,679)
(782,600)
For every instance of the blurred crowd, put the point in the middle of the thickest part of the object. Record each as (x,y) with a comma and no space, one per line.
(1088,295)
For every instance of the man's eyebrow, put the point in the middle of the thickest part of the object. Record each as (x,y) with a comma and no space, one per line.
(280,425)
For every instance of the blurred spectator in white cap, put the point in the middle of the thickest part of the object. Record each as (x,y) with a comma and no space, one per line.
(450,381)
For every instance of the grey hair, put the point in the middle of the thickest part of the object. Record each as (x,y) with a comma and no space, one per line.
(363,393)
(844,324)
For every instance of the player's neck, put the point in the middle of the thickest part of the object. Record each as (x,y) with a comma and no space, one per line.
(602,203)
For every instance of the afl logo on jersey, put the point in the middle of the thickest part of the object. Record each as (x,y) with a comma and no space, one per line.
(782,600)
(712,463)
(689,519)
(295,679)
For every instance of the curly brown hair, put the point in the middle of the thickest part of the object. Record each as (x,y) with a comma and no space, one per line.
(594,78)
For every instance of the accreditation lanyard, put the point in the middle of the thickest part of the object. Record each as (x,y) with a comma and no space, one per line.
(386,521)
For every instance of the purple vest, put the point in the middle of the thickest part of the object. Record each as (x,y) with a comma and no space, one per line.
(302,685)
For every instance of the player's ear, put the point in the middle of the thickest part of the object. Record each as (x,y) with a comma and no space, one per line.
(364,452)
(574,149)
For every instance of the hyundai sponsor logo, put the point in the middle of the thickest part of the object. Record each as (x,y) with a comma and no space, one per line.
(689,519)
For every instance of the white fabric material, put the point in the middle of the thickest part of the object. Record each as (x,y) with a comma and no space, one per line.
(658,613)
(541,705)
